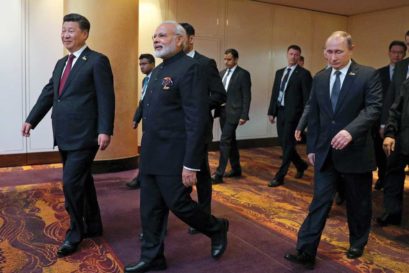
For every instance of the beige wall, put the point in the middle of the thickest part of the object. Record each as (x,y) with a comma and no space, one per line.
(373,32)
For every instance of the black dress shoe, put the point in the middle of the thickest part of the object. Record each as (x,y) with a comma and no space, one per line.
(378,185)
(219,240)
(134,183)
(389,219)
(339,199)
(305,259)
(275,182)
(300,173)
(193,231)
(233,174)
(217,179)
(354,252)
(67,248)
(142,266)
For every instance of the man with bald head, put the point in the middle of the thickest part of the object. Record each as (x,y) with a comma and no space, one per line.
(175,109)
(345,102)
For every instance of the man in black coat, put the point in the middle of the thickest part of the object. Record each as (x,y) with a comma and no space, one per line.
(345,102)
(235,112)
(396,147)
(217,96)
(175,120)
(146,64)
(397,51)
(81,94)
(291,90)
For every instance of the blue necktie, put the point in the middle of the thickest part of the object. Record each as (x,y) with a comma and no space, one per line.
(144,86)
(280,99)
(336,88)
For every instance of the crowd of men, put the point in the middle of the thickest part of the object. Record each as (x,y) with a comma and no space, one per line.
(350,110)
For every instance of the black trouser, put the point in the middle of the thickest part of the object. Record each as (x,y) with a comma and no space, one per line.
(228,145)
(79,191)
(204,184)
(379,154)
(358,204)
(285,131)
(160,193)
(394,183)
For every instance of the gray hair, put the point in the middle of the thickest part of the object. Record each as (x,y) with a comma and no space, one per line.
(343,34)
(179,30)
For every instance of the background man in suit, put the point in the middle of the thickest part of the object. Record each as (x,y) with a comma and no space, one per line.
(81,93)
(396,146)
(146,64)
(346,100)
(217,96)
(291,90)
(396,53)
(175,110)
(235,112)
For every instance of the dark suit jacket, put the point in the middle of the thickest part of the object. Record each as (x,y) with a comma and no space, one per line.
(399,76)
(385,80)
(359,105)
(238,95)
(215,90)
(138,112)
(398,122)
(175,109)
(86,107)
(296,94)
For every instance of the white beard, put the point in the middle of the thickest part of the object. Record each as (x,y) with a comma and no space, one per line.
(166,50)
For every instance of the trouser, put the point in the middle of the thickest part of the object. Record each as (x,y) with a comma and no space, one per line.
(358,205)
(79,191)
(160,193)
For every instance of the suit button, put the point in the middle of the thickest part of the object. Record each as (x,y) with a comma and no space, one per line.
(333,121)
(147,104)
(58,100)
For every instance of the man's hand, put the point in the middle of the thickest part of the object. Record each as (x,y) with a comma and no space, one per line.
(103,141)
(311,158)
(341,140)
(271,119)
(388,145)
(297,135)
(242,121)
(188,178)
(134,125)
(25,129)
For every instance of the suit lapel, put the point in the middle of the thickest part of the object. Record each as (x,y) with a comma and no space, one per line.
(82,59)
(346,86)
(233,78)
(58,74)
(326,89)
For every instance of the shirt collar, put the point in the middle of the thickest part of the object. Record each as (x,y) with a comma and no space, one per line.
(79,51)
(343,70)
(191,53)
(232,69)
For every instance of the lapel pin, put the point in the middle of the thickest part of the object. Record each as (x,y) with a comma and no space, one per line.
(84,58)
(351,73)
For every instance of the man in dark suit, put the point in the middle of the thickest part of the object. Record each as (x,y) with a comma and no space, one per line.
(346,100)
(291,90)
(397,51)
(175,110)
(396,146)
(146,64)
(217,96)
(235,112)
(81,93)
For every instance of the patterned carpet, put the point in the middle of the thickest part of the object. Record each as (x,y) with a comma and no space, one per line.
(283,210)
(33,222)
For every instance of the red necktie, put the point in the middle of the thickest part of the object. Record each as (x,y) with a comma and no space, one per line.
(66,73)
